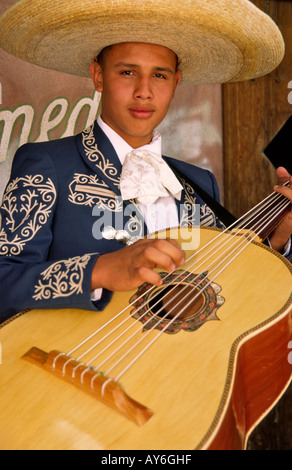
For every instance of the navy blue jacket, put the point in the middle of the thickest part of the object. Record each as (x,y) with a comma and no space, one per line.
(49,220)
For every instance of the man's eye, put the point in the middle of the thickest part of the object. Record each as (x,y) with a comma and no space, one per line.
(160,75)
(127,72)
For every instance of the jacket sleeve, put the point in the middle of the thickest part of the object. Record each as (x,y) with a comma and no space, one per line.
(27,278)
(214,186)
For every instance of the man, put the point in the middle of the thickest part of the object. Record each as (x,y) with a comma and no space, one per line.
(51,256)
(131,85)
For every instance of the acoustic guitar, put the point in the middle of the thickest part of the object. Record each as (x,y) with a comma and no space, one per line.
(194,364)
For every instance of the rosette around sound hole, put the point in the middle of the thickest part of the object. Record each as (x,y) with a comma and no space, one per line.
(185,301)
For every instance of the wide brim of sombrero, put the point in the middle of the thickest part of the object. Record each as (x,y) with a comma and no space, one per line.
(217,41)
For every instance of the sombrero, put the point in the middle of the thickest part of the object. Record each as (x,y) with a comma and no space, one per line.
(217,40)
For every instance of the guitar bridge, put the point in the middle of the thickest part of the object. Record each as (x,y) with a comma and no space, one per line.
(92,382)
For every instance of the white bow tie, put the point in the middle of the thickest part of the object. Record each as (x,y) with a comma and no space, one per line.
(147,177)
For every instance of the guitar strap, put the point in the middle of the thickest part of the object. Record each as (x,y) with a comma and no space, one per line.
(223,214)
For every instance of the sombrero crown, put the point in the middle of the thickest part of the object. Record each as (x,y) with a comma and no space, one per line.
(217,41)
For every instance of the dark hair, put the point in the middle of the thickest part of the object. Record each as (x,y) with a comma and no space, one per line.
(101,56)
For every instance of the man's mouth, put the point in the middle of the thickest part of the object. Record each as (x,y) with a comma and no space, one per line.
(140,112)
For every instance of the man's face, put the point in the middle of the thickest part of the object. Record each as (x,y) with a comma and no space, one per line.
(137,82)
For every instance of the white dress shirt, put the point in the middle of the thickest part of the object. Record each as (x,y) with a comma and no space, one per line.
(163,214)
(159,216)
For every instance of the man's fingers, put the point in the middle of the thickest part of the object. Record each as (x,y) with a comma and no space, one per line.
(131,266)
(283,175)
(148,275)
(163,254)
(285,190)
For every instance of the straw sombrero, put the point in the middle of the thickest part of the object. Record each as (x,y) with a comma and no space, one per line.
(217,40)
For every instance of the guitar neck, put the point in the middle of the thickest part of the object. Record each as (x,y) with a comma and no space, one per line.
(266,216)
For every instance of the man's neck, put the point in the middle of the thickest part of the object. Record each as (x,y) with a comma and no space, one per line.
(122,147)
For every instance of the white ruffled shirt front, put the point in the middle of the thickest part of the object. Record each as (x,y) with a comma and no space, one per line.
(147,177)
(163,213)
(158,216)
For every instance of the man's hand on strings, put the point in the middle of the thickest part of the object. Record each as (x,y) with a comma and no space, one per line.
(283,232)
(133,265)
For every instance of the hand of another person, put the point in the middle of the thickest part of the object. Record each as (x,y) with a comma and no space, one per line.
(133,265)
(283,232)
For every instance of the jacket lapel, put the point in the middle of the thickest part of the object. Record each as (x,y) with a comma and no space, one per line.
(192,209)
(99,154)
(188,213)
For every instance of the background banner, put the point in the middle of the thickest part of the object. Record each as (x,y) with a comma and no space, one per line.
(38,105)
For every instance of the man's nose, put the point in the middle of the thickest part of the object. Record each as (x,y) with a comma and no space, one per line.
(143,89)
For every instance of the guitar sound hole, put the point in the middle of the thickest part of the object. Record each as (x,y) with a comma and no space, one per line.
(170,301)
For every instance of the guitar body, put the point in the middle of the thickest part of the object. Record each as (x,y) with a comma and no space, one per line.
(207,386)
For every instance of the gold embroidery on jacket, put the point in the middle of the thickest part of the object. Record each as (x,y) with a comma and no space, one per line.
(94,155)
(207,216)
(27,203)
(92,191)
(89,190)
(62,279)
(187,210)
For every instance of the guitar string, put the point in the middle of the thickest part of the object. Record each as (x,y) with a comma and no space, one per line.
(250,216)
(162,330)
(157,313)
(242,240)
(168,313)
(245,218)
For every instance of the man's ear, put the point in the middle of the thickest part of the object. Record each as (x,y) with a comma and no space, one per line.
(178,78)
(96,75)
(177,81)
